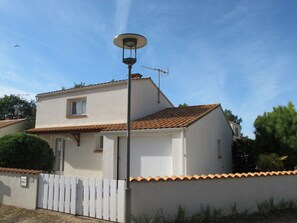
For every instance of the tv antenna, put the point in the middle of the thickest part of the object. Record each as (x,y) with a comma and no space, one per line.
(166,72)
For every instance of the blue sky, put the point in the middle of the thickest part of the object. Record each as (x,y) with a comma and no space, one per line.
(242,54)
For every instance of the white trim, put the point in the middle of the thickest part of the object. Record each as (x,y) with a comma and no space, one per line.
(135,132)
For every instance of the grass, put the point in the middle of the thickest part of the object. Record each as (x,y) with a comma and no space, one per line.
(268,211)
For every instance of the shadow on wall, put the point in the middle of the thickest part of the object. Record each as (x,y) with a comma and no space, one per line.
(4,191)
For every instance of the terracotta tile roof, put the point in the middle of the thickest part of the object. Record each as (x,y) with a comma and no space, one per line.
(167,118)
(213,176)
(4,123)
(20,171)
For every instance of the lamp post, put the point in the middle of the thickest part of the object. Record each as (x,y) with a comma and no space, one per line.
(129,42)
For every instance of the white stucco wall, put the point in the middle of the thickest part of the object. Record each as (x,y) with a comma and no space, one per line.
(246,193)
(201,145)
(106,104)
(12,193)
(145,99)
(14,128)
(82,160)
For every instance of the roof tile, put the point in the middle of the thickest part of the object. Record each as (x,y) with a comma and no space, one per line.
(213,176)
(167,118)
(20,171)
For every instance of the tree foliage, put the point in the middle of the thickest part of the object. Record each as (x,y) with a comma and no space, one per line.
(244,155)
(17,108)
(25,151)
(270,162)
(231,117)
(183,105)
(276,132)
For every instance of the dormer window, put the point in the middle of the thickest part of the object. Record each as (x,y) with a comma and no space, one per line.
(77,107)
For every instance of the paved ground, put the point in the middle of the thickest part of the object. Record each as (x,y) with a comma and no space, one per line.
(10,214)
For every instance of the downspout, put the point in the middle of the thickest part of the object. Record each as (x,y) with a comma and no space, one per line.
(183,153)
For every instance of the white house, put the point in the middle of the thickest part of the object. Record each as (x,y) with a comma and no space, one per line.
(10,126)
(86,127)
(236,130)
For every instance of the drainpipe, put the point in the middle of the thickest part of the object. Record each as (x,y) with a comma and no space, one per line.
(182,157)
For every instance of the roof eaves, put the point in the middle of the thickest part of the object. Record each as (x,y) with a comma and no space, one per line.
(204,114)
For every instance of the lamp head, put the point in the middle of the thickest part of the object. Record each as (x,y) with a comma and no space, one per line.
(129,42)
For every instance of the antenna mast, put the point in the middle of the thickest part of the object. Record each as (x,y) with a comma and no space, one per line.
(159,74)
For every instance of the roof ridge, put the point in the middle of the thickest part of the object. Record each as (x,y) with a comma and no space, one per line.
(90,85)
(193,106)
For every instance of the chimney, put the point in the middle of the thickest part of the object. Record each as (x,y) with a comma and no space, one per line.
(136,76)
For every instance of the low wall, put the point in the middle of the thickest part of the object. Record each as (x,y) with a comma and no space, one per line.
(218,191)
(11,191)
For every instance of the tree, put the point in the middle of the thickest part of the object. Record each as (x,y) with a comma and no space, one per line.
(270,162)
(17,108)
(244,155)
(231,117)
(276,132)
(183,105)
(25,151)
(81,84)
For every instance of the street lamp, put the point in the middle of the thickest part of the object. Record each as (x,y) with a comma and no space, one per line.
(129,42)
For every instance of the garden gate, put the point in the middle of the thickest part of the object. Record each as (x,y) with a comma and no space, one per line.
(97,198)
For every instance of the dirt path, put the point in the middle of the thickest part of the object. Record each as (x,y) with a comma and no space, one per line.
(10,214)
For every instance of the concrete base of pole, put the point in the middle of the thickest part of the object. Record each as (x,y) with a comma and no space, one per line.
(128,205)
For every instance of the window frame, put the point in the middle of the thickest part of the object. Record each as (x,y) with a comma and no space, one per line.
(82,107)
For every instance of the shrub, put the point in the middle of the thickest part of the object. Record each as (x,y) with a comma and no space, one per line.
(270,162)
(26,151)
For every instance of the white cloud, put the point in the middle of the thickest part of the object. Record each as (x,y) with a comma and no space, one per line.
(4,90)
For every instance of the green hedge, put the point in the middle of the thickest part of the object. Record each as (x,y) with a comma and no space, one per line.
(26,151)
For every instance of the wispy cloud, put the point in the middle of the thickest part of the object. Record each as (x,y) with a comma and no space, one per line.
(4,90)
(122,15)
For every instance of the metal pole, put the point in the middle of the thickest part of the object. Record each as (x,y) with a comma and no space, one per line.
(128,189)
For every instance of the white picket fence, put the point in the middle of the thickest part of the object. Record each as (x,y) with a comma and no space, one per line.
(97,198)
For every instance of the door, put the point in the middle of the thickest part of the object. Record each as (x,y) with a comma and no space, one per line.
(149,156)
(59,156)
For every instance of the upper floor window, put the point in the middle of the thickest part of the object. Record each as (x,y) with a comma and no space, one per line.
(77,106)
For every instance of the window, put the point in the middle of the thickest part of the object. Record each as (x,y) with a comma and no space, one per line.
(236,132)
(219,149)
(99,143)
(77,106)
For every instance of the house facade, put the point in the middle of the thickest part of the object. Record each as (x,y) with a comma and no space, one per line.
(86,127)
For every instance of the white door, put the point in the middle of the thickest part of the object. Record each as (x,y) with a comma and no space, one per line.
(149,156)
(59,156)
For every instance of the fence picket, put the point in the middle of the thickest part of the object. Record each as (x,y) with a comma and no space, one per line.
(92,184)
(45,191)
(86,197)
(113,202)
(79,198)
(121,200)
(106,199)
(73,195)
(67,194)
(99,198)
(51,192)
(62,194)
(56,192)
